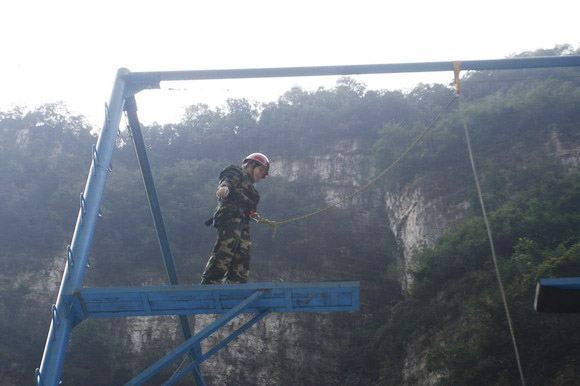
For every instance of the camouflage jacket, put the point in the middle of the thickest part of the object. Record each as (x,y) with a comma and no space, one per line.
(242,199)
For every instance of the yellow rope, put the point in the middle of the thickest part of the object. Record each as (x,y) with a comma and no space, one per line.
(274,224)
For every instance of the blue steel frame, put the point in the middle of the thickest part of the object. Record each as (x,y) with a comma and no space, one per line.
(127,84)
(558,295)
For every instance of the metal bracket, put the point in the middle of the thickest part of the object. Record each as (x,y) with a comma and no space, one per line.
(133,87)
(69,256)
(55,320)
(55,316)
(83,207)
(75,309)
(95,159)
(96,162)
(38,377)
(107,116)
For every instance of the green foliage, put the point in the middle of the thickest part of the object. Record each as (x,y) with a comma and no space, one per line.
(537,236)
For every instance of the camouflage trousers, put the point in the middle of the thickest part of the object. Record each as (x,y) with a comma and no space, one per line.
(230,258)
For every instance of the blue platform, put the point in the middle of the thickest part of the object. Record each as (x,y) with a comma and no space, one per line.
(561,295)
(217,299)
(228,301)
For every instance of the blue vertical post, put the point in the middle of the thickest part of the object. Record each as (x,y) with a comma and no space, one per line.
(78,253)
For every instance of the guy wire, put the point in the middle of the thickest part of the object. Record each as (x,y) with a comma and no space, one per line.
(492,247)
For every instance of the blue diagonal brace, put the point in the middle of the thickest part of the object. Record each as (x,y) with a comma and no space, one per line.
(217,347)
(131,109)
(193,341)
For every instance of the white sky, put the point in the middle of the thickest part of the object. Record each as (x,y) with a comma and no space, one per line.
(69,51)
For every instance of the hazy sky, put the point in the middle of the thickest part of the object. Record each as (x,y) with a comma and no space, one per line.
(69,51)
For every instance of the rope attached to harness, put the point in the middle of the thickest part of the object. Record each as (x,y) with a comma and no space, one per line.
(263,220)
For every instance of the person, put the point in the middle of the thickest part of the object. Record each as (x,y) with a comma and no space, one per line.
(238,200)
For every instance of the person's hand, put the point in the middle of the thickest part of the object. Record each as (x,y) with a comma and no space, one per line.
(222,192)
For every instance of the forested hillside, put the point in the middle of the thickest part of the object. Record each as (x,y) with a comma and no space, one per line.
(431,311)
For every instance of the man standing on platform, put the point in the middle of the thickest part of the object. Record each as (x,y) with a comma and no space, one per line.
(237,204)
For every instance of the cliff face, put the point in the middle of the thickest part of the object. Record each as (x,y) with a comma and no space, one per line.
(418,220)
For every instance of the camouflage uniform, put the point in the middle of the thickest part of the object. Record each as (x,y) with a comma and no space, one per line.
(230,258)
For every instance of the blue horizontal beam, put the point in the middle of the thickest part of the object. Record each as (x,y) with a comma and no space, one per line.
(151,79)
(572,283)
(217,299)
(559,295)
